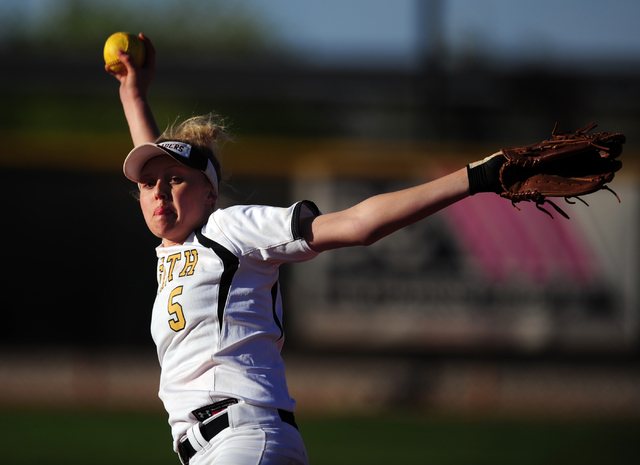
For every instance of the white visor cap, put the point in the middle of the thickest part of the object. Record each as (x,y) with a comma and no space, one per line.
(182,152)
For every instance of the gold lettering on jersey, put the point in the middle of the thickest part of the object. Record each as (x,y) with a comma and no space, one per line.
(161,279)
(167,266)
(191,257)
(171,260)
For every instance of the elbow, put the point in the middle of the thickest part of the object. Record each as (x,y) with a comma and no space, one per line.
(370,233)
(371,237)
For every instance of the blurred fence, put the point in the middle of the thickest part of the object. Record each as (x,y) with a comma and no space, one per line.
(342,385)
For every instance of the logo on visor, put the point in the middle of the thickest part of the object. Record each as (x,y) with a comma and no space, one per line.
(179,148)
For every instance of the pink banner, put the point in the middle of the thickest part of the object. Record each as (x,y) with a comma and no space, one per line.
(505,242)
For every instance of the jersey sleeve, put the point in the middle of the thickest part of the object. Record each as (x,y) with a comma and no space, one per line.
(264,233)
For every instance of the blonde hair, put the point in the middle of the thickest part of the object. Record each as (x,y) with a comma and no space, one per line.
(207,132)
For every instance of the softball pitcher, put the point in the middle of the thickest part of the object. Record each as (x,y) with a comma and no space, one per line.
(217,317)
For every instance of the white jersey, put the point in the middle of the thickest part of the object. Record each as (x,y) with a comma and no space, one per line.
(217,318)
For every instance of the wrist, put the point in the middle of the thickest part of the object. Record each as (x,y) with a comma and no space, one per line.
(476,179)
(484,176)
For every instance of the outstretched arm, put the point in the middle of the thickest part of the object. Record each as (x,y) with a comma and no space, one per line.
(133,95)
(381,215)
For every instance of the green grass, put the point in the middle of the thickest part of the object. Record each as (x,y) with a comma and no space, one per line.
(70,438)
(75,438)
(414,440)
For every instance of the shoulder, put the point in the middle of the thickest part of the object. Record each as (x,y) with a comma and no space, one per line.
(267,219)
(246,228)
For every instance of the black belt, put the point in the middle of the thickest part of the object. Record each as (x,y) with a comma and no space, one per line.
(215,426)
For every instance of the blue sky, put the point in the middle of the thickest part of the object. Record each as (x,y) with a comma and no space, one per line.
(508,31)
(573,30)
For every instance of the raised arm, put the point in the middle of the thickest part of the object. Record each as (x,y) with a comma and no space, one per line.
(133,95)
(381,215)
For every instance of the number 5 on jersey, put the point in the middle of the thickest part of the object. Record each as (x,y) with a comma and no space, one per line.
(176,322)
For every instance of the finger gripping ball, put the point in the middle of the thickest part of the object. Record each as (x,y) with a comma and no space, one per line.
(131,44)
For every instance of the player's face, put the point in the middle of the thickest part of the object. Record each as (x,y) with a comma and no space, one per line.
(175,199)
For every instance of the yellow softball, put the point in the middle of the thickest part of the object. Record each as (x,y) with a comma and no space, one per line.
(131,44)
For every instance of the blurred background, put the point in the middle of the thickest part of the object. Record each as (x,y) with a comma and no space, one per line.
(482,313)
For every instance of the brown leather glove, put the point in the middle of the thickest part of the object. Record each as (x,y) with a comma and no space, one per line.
(567,165)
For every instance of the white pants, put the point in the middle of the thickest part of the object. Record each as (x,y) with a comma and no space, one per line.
(256,436)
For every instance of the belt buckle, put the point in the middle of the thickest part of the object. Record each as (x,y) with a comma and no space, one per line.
(204,416)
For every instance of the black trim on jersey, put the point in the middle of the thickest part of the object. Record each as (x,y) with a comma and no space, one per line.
(274,301)
(230,265)
(295,218)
